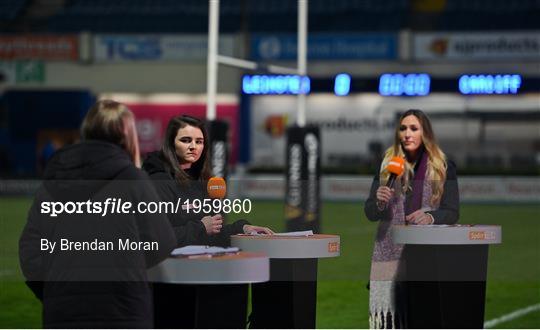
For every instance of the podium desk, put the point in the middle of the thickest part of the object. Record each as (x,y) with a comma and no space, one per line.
(208,291)
(289,300)
(445,269)
(236,268)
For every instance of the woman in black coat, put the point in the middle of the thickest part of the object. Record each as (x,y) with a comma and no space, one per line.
(425,194)
(181,170)
(104,283)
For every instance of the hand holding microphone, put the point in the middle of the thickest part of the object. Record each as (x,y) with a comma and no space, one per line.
(384,194)
(216,188)
(213,223)
(396,167)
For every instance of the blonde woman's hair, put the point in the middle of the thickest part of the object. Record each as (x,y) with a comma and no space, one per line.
(113,122)
(436,166)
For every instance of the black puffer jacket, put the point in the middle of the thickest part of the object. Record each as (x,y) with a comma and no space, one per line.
(93,289)
(187,224)
(447,213)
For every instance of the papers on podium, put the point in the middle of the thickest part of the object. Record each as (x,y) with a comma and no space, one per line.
(192,250)
(287,234)
(296,233)
(441,226)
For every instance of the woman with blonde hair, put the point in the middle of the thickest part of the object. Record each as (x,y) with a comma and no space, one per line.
(100,284)
(114,123)
(426,193)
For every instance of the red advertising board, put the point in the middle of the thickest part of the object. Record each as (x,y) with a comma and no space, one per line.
(39,47)
(152,120)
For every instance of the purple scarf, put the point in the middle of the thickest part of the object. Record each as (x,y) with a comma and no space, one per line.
(414,200)
(385,265)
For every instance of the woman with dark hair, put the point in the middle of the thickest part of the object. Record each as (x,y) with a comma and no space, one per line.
(181,170)
(426,193)
(95,282)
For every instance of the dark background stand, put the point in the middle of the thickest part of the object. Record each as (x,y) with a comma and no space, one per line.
(446,285)
(289,300)
(221,306)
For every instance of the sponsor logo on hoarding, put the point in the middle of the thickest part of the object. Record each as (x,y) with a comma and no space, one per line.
(326,46)
(39,47)
(219,158)
(439,47)
(148,47)
(311,144)
(274,125)
(295,173)
(132,48)
(475,46)
(292,212)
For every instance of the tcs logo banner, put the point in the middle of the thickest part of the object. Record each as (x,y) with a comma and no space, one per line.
(151,47)
(128,48)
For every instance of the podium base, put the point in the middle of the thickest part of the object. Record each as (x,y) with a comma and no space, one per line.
(289,300)
(446,285)
(445,305)
(180,306)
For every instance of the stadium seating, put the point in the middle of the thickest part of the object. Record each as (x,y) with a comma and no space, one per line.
(279,16)
(9,9)
(190,16)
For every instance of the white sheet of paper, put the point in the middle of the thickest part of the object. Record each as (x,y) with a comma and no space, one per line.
(296,233)
(202,249)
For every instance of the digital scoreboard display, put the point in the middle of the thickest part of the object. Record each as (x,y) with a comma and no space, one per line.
(275,84)
(391,84)
(398,84)
(490,84)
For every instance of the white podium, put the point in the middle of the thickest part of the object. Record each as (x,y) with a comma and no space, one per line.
(206,291)
(447,234)
(286,247)
(238,268)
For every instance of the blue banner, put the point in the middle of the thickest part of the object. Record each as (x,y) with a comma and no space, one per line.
(375,46)
(149,47)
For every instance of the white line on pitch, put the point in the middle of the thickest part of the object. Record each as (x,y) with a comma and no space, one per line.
(511,316)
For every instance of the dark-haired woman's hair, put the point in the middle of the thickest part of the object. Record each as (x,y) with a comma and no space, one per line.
(113,122)
(201,168)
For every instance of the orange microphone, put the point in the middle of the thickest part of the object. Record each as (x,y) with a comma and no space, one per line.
(396,167)
(216,187)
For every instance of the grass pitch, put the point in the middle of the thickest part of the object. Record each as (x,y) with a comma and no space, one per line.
(513,275)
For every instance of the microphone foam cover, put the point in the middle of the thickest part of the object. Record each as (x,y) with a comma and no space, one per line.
(396,165)
(216,187)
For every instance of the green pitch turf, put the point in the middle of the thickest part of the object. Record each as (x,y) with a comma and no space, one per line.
(513,278)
